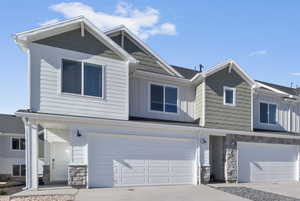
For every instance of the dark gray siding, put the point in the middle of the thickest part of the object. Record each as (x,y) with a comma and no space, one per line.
(146,61)
(72,40)
(218,115)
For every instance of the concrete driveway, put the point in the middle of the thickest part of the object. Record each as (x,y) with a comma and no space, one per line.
(156,193)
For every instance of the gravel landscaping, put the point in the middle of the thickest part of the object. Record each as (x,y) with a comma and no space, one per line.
(43,198)
(255,195)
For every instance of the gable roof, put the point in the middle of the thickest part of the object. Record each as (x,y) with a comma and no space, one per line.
(279,88)
(229,63)
(11,124)
(81,22)
(163,63)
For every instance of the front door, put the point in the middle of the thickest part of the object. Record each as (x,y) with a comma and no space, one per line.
(60,158)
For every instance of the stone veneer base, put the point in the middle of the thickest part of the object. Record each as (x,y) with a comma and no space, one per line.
(77,176)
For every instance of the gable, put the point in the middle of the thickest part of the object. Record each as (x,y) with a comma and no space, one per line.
(72,40)
(147,62)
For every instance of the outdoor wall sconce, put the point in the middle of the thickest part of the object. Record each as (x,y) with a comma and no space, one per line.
(203,141)
(78,134)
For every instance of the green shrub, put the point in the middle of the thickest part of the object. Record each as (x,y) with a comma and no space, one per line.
(3,192)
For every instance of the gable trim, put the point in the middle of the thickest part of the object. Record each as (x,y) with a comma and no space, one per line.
(23,38)
(144,46)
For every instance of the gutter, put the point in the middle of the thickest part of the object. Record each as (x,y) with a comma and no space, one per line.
(150,125)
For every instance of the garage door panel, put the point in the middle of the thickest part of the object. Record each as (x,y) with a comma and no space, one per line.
(267,162)
(139,161)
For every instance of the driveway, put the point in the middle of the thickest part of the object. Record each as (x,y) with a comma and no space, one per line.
(156,193)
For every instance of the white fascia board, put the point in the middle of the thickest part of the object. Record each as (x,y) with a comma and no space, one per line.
(164,64)
(147,75)
(23,38)
(198,130)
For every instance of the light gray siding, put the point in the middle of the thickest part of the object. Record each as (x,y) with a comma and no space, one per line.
(140,100)
(72,40)
(46,93)
(287,115)
(9,157)
(218,115)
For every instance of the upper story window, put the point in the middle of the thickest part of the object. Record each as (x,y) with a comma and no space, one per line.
(82,78)
(229,96)
(268,113)
(17,143)
(163,98)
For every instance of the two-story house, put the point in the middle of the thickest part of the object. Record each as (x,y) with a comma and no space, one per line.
(111,112)
(12,148)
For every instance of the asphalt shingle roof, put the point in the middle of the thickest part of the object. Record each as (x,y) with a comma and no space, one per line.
(289,90)
(11,124)
(185,72)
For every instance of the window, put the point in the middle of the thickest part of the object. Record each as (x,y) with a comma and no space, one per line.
(90,84)
(229,96)
(268,113)
(19,170)
(18,143)
(163,98)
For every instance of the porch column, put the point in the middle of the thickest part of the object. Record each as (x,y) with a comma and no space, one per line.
(204,158)
(31,155)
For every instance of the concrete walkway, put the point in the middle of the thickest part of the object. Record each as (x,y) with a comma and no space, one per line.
(157,193)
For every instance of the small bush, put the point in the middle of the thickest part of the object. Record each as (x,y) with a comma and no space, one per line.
(3,192)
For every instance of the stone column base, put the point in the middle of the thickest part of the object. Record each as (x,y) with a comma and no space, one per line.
(46,174)
(77,176)
(205,174)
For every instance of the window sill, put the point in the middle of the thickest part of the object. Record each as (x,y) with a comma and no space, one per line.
(82,96)
(231,105)
(166,113)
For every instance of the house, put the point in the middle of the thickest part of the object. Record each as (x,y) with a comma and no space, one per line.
(111,112)
(12,148)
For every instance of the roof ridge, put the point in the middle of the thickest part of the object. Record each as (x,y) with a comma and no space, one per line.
(276,84)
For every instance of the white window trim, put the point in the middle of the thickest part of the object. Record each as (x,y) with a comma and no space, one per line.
(164,86)
(276,113)
(11,144)
(12,170)
(234,96)
(103,66)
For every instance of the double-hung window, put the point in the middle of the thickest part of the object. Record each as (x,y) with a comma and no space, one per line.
(229,96)
(268,113)
(82,78)
(17,143)
(19,170)
(163,98)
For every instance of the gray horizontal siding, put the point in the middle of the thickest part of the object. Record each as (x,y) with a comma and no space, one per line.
(218,115)
(146,61)
(199,103)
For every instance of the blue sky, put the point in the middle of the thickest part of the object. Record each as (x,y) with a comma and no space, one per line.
(262,36)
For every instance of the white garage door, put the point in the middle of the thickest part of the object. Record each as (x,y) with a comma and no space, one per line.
(267,162)
(131,161)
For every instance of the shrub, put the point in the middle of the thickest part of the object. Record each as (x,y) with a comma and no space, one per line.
(3,192)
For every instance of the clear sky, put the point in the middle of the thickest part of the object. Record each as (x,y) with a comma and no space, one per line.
(262,36)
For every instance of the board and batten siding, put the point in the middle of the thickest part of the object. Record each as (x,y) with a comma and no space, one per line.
(46,93)
(218,115)
(140,101)
(287,114)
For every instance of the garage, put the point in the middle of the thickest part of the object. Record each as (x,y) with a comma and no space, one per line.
(133,161)
(260,162)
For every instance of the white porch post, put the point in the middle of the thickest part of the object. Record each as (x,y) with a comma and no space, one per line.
(204,158)
(31,155)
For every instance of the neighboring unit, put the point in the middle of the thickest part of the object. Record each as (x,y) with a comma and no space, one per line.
(105,111)
(12,148)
